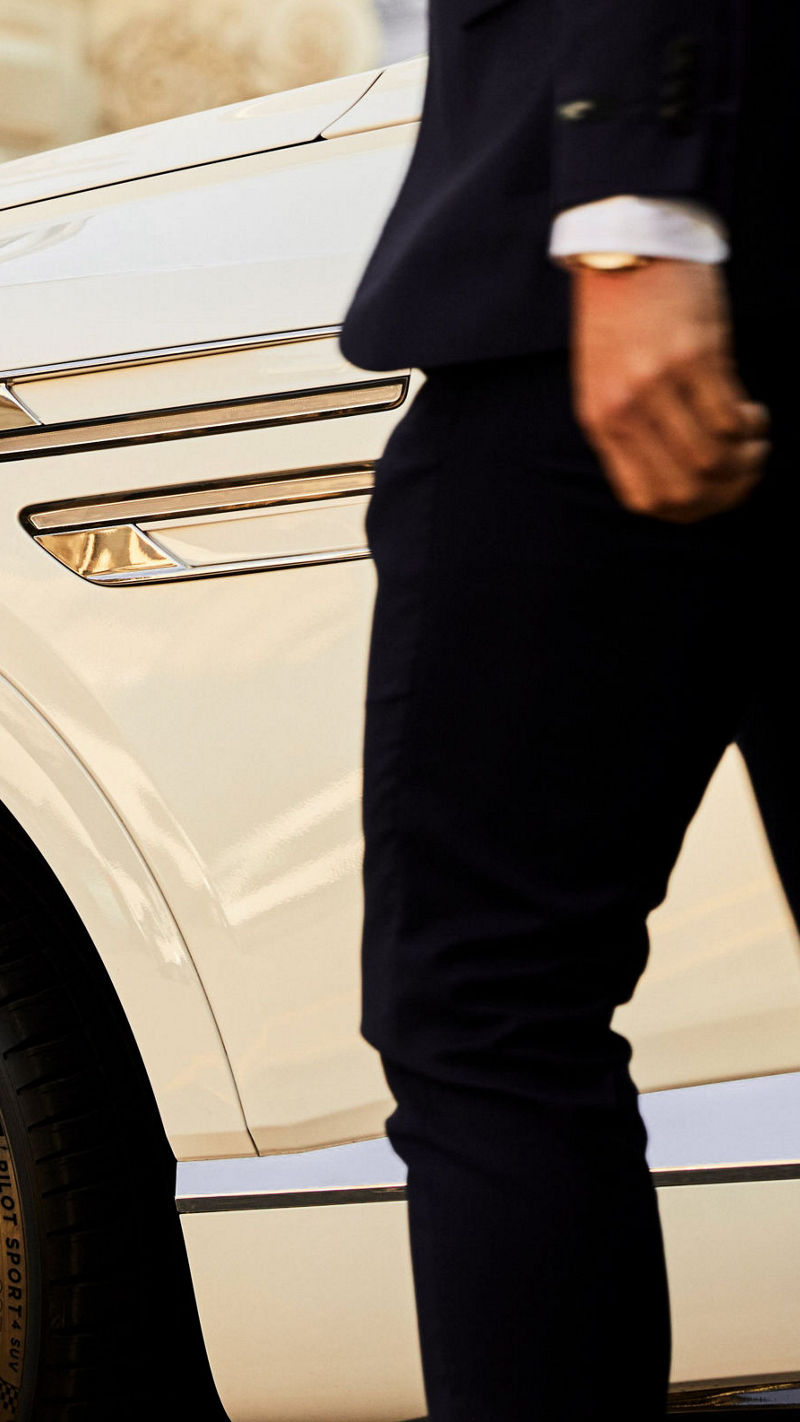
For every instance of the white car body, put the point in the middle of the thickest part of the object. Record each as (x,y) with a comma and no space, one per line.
(186,755)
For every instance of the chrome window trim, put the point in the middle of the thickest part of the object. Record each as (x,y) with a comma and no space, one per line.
(370,1171)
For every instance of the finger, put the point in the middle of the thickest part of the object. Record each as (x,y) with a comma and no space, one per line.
(643,473)
(748,456)
(717,496)
(700,493)
(678,426)
(726,497)
(664,448)
(648,480)
(703,455)
(716,394)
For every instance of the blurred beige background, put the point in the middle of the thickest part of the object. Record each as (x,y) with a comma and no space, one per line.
(72,69)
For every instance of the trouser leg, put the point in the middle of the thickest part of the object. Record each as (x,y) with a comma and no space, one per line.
(551,683)
(538,1264)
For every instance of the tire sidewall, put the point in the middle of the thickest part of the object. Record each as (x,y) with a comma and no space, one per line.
(17,1139)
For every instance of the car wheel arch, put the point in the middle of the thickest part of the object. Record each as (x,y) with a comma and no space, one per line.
(51,799)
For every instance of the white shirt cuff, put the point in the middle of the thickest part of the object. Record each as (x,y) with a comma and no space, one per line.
(646,227)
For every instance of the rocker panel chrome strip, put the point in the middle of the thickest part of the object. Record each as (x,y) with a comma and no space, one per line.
(361,1172)
(733,1395)
(680,1153)
(728,1174)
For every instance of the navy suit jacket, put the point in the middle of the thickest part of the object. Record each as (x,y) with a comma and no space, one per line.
(532,106)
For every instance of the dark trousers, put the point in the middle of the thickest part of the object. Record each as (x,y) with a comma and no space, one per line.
(552,681)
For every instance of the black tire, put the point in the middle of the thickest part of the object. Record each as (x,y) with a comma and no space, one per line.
(97,1315)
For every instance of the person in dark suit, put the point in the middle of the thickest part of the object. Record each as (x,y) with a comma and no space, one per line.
(582,531)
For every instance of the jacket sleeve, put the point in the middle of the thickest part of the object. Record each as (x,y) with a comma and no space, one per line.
(646,95)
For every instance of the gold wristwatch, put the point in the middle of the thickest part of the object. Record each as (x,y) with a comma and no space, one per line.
(605,261)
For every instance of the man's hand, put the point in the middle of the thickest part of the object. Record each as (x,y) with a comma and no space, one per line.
(656,392)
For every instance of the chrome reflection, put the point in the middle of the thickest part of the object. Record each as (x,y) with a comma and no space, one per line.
(14,413)
(102,553)
(747,1124)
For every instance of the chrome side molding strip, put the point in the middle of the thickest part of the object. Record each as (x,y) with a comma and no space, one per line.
(727,1174)
(683,1150)
(125,540)
(255,1192)
(166,353)
(362,398)
(781,1392)
(359,1173)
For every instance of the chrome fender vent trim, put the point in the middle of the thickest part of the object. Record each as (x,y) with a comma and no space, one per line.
(302,518)
(178,391)
(367,398)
